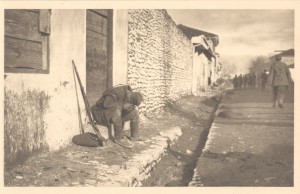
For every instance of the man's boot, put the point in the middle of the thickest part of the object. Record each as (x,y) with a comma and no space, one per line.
(275,104)
(280,103)
(120,139)
(281,96)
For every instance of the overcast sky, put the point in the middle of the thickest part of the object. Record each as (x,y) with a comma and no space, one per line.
(243,33)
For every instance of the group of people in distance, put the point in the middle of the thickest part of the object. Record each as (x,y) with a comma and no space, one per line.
(279,78)
(120,103)
(244,81)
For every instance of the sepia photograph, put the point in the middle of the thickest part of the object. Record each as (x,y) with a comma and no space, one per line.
(148,96)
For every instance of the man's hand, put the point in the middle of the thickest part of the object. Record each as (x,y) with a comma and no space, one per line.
(109,101)
(128,107)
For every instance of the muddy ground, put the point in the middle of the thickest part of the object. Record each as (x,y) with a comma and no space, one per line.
(64,167)
(273,168)
(250,144)
(195,115)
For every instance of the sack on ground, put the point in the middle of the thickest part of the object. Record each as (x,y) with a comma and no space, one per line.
(87,139)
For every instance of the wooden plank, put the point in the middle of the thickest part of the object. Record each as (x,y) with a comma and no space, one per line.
(45,52)
(22,24)
(22,54)
(97,78)
(96,58)
(94,22)
(94,47)
(44,21)
(33,10)
(103,50)
(96,82)
(96,68)
(109,81)
(103,12)
(104,26)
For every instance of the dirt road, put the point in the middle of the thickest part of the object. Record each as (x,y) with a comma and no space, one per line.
(250,143)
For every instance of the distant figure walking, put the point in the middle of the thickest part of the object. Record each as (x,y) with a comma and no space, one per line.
(253,80)
(235,82)
(250,80)
(245,80)
(279,79)
(240,81)
(264,79)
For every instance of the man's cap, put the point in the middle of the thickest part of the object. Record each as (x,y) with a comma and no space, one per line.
(137,98)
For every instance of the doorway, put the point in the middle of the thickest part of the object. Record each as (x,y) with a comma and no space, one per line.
(98,53)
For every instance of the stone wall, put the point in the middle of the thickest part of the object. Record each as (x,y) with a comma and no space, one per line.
(159,58)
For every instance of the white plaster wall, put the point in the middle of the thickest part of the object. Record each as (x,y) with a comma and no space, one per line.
(293,74)
(196,72)
(67,43)
(213,70)
(202,66)
(201,71)
(289,60)
(120,46)
(203,75)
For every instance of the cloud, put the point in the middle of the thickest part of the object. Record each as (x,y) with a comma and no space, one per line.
(243,32)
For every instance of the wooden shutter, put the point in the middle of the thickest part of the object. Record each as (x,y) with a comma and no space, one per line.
(44,21)
(26,40)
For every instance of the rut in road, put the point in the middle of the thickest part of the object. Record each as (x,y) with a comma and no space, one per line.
(177,165)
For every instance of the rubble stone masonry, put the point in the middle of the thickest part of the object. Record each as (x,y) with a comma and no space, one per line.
(159,58)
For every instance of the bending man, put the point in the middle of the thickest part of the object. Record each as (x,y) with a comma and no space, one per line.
(116,106)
